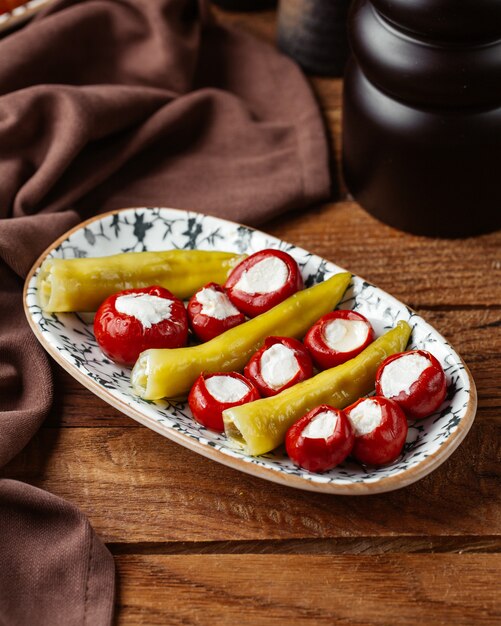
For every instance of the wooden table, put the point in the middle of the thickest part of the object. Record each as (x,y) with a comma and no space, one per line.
(198,543)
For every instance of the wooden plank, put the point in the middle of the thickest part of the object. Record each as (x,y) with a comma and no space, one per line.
(75,406)
(137,486)
(474,333)
(329,92)
(276,590)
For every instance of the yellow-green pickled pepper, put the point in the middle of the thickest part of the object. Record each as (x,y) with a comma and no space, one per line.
(66,285)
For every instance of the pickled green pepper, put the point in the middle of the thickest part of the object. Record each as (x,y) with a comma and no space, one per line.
(260,426)
(66,285)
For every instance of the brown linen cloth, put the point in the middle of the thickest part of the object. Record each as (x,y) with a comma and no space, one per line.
(106,104)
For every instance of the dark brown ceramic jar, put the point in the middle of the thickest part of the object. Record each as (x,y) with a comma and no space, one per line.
(422,114)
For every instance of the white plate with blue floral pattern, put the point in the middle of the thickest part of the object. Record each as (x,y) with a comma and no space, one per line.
(70,340)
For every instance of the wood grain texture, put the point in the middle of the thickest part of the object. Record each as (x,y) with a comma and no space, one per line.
(135,486)
(276,590)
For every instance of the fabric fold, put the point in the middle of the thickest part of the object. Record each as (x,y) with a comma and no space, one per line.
(53,546)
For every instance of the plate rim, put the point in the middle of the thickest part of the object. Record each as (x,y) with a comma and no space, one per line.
(383,485)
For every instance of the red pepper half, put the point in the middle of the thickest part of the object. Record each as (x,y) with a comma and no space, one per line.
(263,280)
(380,429)
(279,364)
(123,336)
(211,312)
(338,337)
(419,389)
(320,440)
(214,393)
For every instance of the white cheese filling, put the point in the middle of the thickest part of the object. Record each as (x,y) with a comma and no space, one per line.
(278,365)
(226,388)
(147,309)
(321,426)
(345,335)
(365,417)
(216,304)
(401,373)
(266,276)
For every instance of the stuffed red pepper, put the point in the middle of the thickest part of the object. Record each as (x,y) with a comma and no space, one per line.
(320,440)
(338,337)
(134,320)
(380,428)
(279,364)
(263,280)
(214,393)
(211,312)
(415,380)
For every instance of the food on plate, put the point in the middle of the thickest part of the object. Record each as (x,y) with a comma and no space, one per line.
(82,284)
(171,373)
(279,364)
(131,321)
(380,428)
(415,380)
(212,394)
(9,5)
(338,337)
(260,426)
(211,312)
(262,280)
(320,440)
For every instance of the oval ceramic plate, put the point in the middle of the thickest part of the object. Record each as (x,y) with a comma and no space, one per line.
(70,340)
